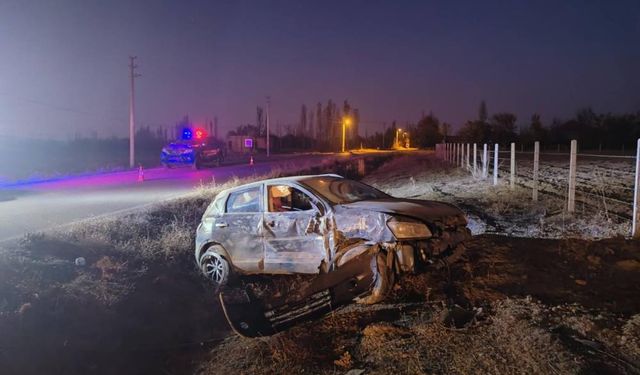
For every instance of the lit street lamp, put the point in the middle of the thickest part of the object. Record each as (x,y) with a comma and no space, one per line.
(398,137)
(346,121)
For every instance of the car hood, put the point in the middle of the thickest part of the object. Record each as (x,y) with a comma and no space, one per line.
(415,208)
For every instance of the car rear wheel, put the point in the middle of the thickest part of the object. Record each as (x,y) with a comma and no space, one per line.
(216,268)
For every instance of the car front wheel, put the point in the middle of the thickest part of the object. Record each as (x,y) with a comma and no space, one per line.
(216,268)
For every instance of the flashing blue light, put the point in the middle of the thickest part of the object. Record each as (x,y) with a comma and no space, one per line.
(187,134)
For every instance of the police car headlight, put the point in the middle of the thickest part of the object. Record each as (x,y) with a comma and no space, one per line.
(405,228)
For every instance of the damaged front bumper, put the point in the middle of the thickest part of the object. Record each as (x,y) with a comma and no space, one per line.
(251,316)
(413,256)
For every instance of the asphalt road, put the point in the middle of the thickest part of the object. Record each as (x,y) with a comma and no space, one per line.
(39,206)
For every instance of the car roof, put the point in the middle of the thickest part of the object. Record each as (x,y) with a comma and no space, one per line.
(278,180)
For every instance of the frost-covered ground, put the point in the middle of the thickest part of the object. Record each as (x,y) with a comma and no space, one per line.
(499,209)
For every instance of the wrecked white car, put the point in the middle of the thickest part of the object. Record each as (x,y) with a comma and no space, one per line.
(350,238)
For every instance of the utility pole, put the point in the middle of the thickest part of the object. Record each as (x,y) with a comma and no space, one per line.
(268,124)
(132,119)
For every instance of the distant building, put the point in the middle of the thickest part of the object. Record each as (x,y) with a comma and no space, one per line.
(246,144)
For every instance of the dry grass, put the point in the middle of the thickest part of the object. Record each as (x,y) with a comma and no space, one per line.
(515,339)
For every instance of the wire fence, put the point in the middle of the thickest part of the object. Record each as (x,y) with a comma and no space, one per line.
(604,182)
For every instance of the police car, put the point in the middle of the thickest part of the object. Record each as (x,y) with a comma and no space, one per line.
(194,149)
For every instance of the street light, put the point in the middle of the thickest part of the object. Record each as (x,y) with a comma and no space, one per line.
(346,121)
(398,137)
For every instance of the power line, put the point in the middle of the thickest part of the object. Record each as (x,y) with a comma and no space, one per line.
(61,108)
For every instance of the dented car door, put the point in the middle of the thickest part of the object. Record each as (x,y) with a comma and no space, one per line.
(294,242)
(239,230)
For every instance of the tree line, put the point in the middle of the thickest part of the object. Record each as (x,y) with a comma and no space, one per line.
(602,131)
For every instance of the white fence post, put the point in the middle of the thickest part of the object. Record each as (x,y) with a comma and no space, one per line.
(468,152)
(495,166)
(485,161)
(636,197)
(475,165)
(461,155)
(571,204)
(536,165)
(512,176)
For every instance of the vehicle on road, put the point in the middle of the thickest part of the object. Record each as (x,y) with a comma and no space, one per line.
(198,152)
(350,239)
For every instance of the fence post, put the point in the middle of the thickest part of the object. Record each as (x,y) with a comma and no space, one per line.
(495,166)
(475,165)
(571,204)
(536,165)
(454,160)
(512,176)
(635,231)
(461,154)
(468,156)
(484,161)
(454,153)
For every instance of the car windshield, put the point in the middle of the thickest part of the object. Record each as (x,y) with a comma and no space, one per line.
(341,190)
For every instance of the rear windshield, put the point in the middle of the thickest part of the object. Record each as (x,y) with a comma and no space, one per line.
(341,190)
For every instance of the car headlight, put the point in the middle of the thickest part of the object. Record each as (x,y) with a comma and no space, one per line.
(408,229)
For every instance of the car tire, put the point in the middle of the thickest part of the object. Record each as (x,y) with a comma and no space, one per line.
(215,268)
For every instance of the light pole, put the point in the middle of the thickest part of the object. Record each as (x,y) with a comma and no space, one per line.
(268,125)
(132,110)
(346,121)
(398,137)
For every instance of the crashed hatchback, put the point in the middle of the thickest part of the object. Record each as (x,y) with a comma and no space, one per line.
(350,239)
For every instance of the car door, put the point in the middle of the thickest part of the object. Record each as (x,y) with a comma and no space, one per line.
(293,240)
(240,228)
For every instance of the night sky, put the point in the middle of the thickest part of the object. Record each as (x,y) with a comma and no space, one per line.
(63,64)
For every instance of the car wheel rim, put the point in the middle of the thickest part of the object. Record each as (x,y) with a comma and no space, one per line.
(214,269)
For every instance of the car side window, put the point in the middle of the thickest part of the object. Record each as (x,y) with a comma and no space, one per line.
(283,198)
(244,201)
